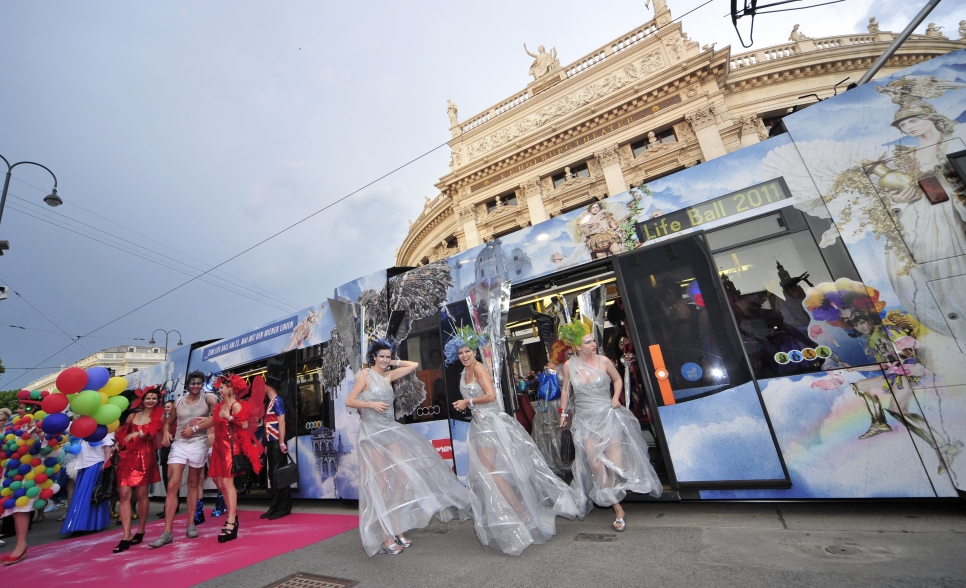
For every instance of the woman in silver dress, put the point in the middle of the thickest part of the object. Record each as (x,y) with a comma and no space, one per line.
(546,420)
(518,496)
(403,480)
(611,454)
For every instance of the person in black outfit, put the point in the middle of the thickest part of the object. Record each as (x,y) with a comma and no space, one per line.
(276,448)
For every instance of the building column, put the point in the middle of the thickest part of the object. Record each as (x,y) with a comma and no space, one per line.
(466,219)
(534,197)
(702,121)
(610,165)
(749,130)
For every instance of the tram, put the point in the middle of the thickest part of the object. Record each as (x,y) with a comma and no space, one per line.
(790,318)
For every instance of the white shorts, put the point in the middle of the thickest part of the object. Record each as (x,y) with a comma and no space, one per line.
(193,454)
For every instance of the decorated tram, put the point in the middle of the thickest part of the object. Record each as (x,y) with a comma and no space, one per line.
(789,319)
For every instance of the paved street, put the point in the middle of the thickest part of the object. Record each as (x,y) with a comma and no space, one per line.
(777,545)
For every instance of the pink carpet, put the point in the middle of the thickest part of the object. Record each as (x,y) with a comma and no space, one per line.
(88,561)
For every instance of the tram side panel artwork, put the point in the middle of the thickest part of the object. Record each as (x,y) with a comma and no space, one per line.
(169,374)
(901,210)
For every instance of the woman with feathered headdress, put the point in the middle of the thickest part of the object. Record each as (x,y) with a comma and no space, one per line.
(518,496)
(611,454)
(137,465)
(234,424)
(403,480)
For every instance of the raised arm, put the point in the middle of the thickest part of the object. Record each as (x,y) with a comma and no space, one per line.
(528,51)
(403,368)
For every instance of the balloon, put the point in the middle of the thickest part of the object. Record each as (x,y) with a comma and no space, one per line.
(75,449)
(97,377)
(106,414)
(56,423)
(72,380)
(82,427)
(114,386)
(55,403)
(119,401)
(40,504)
(85,403)
(103,396)
(35,395)
(33,492)
(99,433)
(23,395)
(22,501)
(111,427)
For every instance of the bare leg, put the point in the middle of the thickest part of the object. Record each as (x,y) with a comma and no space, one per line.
(21,521)
(175,473)
(143,505)
(124,510)
(231,498)
(488,459)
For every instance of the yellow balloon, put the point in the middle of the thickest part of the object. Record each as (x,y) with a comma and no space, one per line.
(104,397)
(111,427)
(114,386)
(30,475)
(23,501)
(40,469)
(26,458)
(56,468)
(47,484)
(39,415)
(6,492)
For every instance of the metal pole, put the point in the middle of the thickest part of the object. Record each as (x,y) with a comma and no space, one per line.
(890,51)
(3,198)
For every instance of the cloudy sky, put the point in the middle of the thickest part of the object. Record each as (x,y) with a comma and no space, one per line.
(184,133)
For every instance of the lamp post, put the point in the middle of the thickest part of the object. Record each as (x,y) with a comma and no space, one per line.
(51,199)
(166,333)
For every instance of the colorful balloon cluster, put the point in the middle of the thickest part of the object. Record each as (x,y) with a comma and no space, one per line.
(93,397)
(30,459)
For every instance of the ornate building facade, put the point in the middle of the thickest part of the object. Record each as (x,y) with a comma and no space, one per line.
(121,360)
(640,107)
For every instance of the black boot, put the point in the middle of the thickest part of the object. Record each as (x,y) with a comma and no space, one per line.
(284,504)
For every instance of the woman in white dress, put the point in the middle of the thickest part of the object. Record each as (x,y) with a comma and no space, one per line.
(403,480)
(611,454)
(518,496)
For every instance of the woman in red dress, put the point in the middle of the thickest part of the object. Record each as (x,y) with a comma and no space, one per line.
(234,435)
(137,465)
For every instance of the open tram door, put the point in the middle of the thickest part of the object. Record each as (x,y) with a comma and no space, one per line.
(708,414)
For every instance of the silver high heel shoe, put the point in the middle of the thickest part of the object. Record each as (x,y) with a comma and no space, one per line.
(404,541)
(391,549)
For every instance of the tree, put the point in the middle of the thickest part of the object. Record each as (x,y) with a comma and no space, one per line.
(8,398)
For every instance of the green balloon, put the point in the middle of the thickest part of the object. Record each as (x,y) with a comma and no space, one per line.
(106,414)
(85,403)
(40,504)
(16,485)
(29,483)
(33,492)
(119,401)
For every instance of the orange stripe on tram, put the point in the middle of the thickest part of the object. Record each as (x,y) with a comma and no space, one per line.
(660,372)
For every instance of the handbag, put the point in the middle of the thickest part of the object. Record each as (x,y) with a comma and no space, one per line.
(549,389)
(287,474)
(105,483)
(240,464)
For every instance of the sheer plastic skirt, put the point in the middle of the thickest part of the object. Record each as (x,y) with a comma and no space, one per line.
(518,496)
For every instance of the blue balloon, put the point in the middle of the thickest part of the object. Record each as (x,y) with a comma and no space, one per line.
(24,469)
(9,503)
(6,482)
(74,449)
(98,435)
(55,424)
(97,377)
(19,492)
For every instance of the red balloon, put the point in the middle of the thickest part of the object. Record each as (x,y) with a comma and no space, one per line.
(44,394)
(36,461)
(23,395)
(72,380)
(40,479)
(55,403)
(47,492)
(83,427)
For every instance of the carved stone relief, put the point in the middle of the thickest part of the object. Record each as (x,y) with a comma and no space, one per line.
(675,47)
(628,75)
(608,156)
(762,131)
(683,132)
(593,166)
(701,118)
(465,215)
(748,126)
(531,187)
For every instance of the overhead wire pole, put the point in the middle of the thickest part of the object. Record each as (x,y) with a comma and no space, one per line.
(891,49)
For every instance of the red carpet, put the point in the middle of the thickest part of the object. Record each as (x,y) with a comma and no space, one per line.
(88,561)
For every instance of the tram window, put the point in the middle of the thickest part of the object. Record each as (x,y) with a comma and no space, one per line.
(766,283)
(422,345)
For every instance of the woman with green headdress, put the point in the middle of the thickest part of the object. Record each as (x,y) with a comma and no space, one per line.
(518,496)
(611,454)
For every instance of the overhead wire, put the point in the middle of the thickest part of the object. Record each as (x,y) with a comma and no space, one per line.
(287,228)
(276,306)
(49,320)
(102,234)
(91,337)
(73,204)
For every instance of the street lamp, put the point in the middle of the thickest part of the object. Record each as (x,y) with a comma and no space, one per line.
(166,333)
(51,199)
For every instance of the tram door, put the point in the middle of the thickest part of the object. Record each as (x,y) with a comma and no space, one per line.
(708,411)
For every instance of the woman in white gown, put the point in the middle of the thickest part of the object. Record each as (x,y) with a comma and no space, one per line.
(517,495)
(611,454)
(404,482)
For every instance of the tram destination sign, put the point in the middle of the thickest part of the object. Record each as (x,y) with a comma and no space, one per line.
(733,204)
